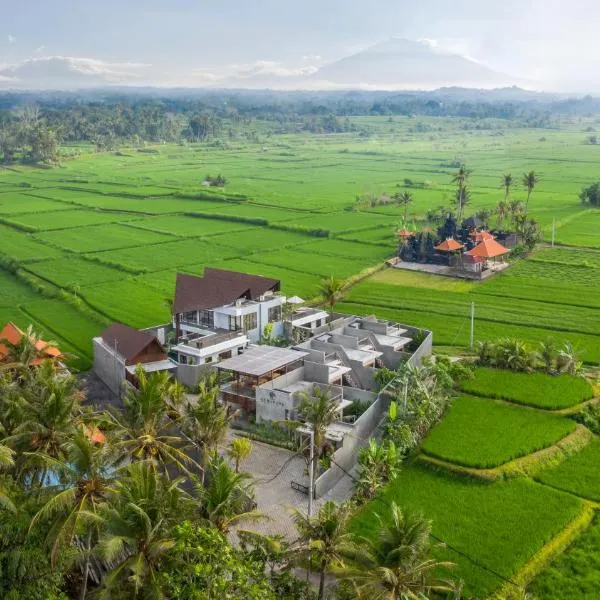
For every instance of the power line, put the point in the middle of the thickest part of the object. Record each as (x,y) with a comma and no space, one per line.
(437,539)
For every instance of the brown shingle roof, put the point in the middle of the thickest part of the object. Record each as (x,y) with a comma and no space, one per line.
(129,341)
(218,287)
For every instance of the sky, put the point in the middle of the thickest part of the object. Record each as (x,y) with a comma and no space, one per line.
(54,43)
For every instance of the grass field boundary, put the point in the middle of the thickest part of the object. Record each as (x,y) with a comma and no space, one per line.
(542,558)
(51,330)
(572,410)
(525,466)
(485,319)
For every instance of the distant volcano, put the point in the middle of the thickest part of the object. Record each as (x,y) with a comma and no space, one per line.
(407,64)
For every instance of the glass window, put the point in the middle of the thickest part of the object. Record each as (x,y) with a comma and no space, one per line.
(190,317)
(235,323)
(250,321)
(274,314)
(207,318)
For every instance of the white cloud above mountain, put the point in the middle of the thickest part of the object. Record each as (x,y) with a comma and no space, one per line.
(68,71)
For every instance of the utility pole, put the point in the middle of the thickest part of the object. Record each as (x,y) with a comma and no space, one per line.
(311,472)
(553,230)
(471,339)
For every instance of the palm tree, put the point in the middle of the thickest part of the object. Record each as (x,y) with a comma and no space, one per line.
(331,291)
(6,460)
(86,477)
(548,355)
(50,412)
(227,499)
(462,194)
(378,464)
(463,198)
(530,180)
(404,199)
(568,360)
(397,564)
(136,525)
(324,539)
(502,211)
(507,182)
(29,348)
(239,450)
(319,410)
(145,430)
(207,421)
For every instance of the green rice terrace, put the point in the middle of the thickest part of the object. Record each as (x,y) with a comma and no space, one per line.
(103,234)
(508,487)
(510,476)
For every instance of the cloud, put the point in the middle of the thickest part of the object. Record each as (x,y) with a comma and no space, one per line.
(11,39)
(40,49)
(69,72)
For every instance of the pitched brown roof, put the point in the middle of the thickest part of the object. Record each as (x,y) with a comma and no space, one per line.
(218,287)
(129,342)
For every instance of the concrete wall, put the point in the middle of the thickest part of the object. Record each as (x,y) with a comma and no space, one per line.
(424,350)
(319,373)
(190,375)
(108,366)
(160,331)
(272,402)
(347,455)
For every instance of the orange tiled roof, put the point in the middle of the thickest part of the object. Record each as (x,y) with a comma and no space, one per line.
(404,233)
(12,334)
(488,249)
(449,245)
(481,236)
(95,435)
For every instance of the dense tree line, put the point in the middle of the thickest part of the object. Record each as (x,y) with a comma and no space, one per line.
(32,124)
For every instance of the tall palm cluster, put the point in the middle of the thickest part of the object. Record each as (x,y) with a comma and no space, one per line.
(95,503)
(516,355)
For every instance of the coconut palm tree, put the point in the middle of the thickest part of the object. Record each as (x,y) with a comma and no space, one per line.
(319,410)
(507,182)
(530,180)
(145,431)
(227,498)
(6,460)
(502,211)
(206,421)
(331,291)
(324,540)
(378,464)
(396,563)
(136,525)
(29,348)
(73,506)
(568,360)
(239,450)
(462,193)
(548,355)
(50,413)
(404,199)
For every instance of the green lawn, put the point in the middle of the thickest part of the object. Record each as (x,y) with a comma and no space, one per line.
(485,433)
(579,474)
(499,525)
(531,389)
(574,575)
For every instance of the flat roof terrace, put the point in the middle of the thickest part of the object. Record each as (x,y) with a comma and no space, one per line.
(261,360)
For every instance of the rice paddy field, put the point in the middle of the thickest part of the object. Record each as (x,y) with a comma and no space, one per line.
(101,238)
(91,225)
(530,389)
(497,432)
